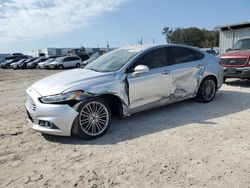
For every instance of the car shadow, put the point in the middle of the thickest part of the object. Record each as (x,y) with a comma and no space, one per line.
(238,82)
(167,117)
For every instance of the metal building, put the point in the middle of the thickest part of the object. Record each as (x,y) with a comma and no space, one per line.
(230,34)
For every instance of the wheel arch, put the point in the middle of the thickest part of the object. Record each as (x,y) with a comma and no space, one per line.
(212,77)
(115,104)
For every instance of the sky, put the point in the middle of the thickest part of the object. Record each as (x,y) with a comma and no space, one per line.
(32,24)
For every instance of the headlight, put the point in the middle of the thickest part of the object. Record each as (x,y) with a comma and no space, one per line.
(74,95)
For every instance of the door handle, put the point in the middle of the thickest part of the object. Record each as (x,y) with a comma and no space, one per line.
(200,66)
(166,72)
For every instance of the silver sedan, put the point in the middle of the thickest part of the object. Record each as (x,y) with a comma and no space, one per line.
(122,82)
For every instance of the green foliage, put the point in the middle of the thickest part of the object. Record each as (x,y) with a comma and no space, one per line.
(192,36)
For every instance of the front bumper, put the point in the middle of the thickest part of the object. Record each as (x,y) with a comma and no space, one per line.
(61,115)
(231,72)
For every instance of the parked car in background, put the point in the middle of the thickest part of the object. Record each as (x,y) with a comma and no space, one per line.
(23,65)
(14,65)
(92,58)
(122,82)
(45,64)
(34,64)
(236,61)
(80,52)
(211,51)
(65,62)
(17,56)
(6,64)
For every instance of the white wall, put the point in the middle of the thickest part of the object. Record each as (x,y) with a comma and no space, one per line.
(230,37)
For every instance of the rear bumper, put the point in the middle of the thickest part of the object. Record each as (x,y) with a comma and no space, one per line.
(243,72)
(62,116)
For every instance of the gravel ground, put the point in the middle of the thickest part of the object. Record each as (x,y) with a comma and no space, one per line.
(188,144)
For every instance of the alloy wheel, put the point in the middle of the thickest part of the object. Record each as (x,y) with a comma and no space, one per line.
(94,118)
(209,89)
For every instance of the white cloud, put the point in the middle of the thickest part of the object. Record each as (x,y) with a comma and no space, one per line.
(32,19)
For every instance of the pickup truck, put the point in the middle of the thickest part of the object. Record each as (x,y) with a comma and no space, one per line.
(236,61)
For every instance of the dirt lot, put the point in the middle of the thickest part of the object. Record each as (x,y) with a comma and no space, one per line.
(188,144)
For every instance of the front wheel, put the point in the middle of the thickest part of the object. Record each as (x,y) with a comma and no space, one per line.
(93,120)
(207,90)
(78,65)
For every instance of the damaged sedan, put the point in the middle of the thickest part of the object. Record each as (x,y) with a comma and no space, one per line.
(120,83)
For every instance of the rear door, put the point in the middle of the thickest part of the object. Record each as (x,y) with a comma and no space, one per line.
(187,66)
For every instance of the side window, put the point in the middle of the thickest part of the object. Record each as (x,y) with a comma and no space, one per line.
(74,58)
(65,59)
(153,59)
(183,55)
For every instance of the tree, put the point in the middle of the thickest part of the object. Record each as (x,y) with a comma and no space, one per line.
(192,36)
(168,33)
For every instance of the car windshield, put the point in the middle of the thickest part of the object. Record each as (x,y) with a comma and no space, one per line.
(37,60)
(242,44)
(59,59)
(112,61)
(49,60)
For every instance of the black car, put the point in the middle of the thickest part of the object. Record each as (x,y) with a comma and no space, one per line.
(23,65)
(34,64)
(6,64)
(14,65)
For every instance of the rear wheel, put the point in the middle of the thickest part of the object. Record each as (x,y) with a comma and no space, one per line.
(60,67)
(207,90)
(93,120)
(77,65)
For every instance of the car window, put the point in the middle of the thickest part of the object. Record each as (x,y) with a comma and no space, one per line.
(183,55)
(66,59)
(153,59)
(74,58)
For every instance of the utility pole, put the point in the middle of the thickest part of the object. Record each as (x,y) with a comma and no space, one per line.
(140,42)
(153,40)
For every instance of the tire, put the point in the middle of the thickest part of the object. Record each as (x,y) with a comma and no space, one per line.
(7,66)
(60,67)
(93,120)
(207,90)
(78,65)
(36,67)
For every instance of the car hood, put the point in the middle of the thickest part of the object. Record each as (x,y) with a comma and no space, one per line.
(60,82)
(236,53)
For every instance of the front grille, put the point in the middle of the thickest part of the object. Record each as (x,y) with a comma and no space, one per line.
(31,104)
(234,61)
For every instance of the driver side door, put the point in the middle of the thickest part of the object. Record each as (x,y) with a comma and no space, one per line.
(149,87)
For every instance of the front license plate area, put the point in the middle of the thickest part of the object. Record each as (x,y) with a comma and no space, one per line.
(230,71)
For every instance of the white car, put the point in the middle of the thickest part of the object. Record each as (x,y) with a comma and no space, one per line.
(66,62)
(43,65)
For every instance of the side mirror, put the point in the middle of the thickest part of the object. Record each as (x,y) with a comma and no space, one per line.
(139,69)
(228,49)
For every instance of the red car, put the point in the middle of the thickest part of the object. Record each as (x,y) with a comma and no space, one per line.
(236,61)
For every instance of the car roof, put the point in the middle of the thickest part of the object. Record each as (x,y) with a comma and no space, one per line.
(140,48)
